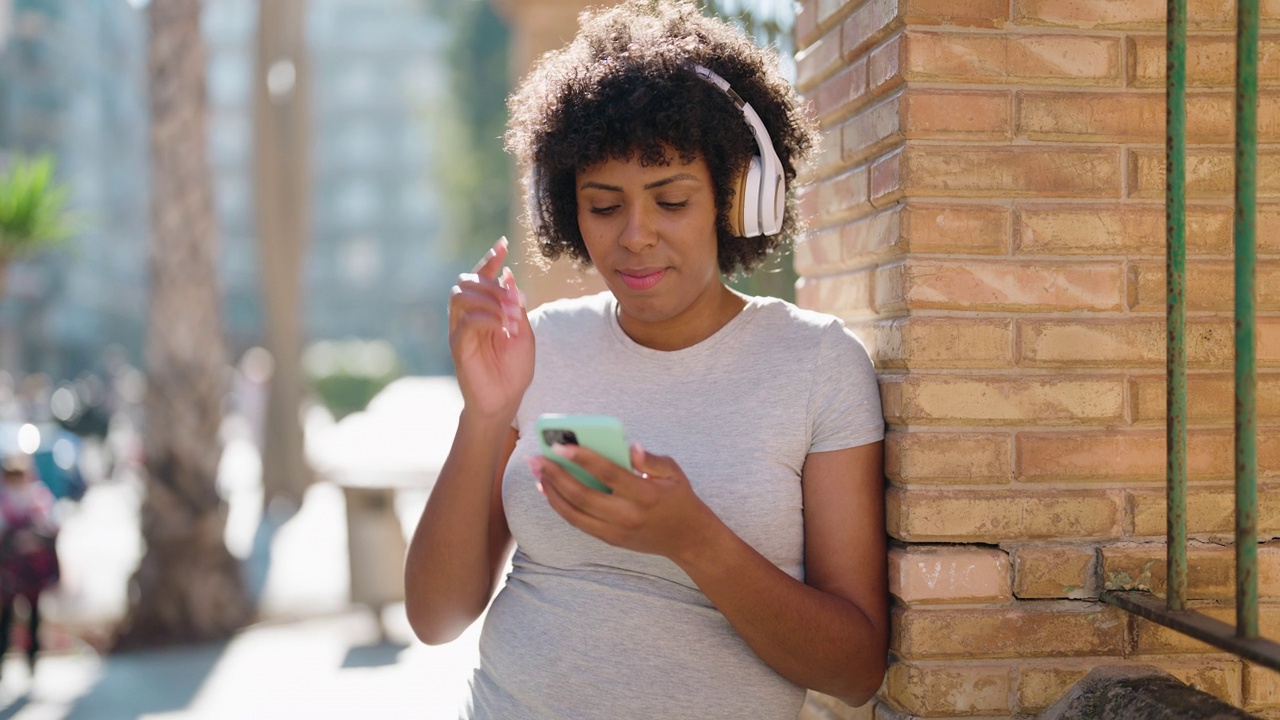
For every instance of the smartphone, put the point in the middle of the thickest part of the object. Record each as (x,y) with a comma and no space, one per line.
(600,433)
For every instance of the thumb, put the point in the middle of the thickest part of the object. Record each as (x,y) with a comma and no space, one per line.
(650,464)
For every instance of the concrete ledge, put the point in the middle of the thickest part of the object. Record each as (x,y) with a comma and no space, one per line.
(1138,692)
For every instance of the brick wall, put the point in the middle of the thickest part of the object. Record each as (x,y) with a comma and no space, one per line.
(988,215)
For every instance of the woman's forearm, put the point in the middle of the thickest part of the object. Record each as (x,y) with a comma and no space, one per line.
(460,543)
(813,638)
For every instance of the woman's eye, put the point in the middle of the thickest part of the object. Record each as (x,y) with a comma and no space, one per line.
(674,205)
(603,210)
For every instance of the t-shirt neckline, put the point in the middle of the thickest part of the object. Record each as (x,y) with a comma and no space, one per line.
(750,306)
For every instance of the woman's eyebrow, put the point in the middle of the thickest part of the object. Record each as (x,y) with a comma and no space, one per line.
(593,185)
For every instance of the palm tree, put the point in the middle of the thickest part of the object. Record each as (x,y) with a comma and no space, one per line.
(32,211)
(188,587)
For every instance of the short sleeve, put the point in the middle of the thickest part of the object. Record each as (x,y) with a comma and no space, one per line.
(844,397)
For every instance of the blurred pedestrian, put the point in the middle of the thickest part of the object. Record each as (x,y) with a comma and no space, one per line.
(28,550)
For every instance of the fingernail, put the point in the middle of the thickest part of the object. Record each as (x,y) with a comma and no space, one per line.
(560,449)
(640,449)
(502,241)
(539,486)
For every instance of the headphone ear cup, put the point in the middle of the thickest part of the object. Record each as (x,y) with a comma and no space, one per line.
(736,203)
(751,199)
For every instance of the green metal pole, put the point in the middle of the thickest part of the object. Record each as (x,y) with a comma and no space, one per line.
(1246,260)
(1175,279)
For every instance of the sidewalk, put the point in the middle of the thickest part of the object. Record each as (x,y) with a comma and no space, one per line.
(314,655)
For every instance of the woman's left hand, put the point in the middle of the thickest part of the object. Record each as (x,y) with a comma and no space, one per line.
(652,510)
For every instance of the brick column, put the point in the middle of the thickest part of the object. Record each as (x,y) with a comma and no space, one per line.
(988,215)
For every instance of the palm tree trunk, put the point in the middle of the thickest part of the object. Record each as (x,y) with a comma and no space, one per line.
(188,587)
(281,117)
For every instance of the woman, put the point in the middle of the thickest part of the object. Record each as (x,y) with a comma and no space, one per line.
(742,560)
(28,549)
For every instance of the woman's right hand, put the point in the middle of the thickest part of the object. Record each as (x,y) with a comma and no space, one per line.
(490,337)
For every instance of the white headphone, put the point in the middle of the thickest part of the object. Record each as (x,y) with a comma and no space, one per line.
(760,195)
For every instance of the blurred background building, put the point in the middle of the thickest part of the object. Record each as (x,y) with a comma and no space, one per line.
(72,76)
(72,85)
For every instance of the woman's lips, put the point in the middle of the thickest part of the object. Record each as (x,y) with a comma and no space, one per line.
(642,279)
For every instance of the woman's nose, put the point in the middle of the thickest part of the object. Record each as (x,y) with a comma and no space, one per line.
(639,232)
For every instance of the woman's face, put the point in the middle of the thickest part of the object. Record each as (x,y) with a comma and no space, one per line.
(651,233)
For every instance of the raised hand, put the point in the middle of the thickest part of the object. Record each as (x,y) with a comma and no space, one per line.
(490,338)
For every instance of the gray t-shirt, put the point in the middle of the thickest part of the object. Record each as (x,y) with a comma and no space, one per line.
(582,629)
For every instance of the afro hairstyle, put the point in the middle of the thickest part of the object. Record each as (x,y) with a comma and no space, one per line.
(625,89)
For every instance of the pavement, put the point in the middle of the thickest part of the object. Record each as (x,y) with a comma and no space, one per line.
(314,654)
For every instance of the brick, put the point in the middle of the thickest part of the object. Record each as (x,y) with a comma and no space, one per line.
(869,23)
(1210,174)
(817,61)
(948,399)
(947,689)
(1030,630)
(843,196)
(885,63)
(1211,61)
(1011,172)
(829,10)
(1210,285)
(919,342)
(888,297)
(1151,639)
(949,575)
(956,115)
(1054,572)
(848,294)
(1261,687)
(956,229)
(820,253)
(1091,14)
(1211,570)
(840,94)
(1038,686)
(872,237)
(1210,510)
(1091,343)
(918,515)
(1127,230)
(826,162)
(871,132)
(977,285)
(807,30)
(973,13)
(1012,59)
(1119,456)
(886,180)
(1210,398)
(926,458)
(1091,117)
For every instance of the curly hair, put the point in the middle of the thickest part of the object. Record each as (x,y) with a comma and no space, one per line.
(625,88)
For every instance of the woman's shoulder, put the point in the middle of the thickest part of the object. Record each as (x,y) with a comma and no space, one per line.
(784,316)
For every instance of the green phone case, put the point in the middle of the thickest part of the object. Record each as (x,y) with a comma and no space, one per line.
(600,433)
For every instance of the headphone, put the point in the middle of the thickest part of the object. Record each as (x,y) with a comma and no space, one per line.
(760,195)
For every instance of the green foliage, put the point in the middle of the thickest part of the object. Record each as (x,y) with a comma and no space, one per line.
(32,208)
(347,374)
(474,171)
